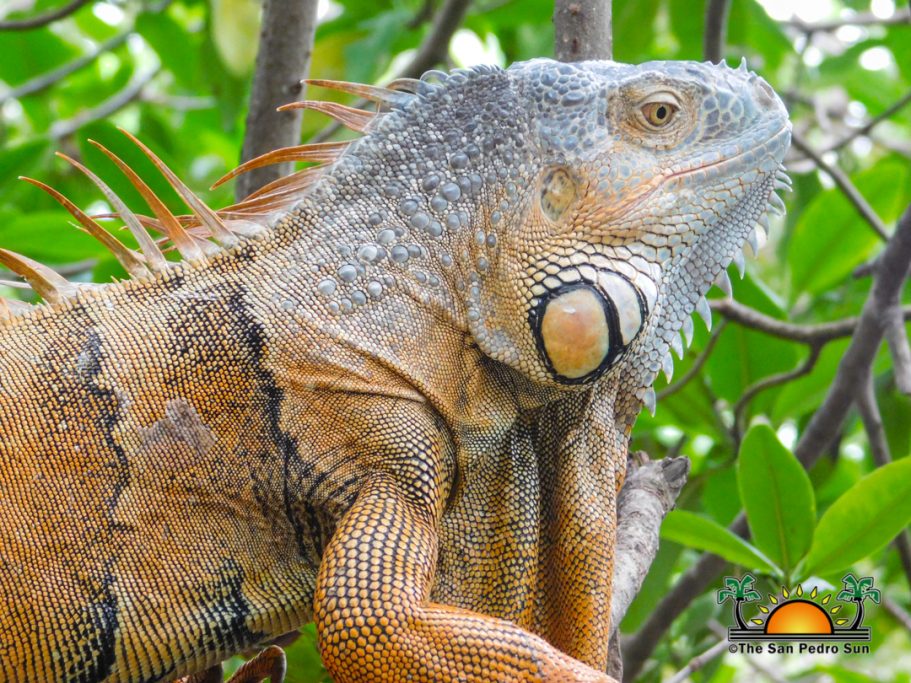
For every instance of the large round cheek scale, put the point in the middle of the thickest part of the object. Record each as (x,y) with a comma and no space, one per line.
(575,333)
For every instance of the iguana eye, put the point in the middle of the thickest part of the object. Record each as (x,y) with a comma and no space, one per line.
(658,114)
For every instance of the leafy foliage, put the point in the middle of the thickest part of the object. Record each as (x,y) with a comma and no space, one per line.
(187,65)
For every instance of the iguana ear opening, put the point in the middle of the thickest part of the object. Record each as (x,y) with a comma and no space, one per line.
(556,192)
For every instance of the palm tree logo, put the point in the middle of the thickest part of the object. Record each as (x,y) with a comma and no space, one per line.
(857,590)
(794,616)
(739,591)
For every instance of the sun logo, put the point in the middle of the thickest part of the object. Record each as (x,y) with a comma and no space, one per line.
(794,615)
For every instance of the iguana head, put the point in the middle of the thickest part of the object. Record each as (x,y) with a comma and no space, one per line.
(611,197)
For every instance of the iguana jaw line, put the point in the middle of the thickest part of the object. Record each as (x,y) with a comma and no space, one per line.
(713,168)
(710,170)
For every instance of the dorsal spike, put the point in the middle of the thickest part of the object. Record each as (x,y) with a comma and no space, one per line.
(186,245)
(355,119)
(206,216)
(129,259)
(319,152)
(290,184)
(10,308)
(51,286)
(154,258)
(408,85)
(373,93)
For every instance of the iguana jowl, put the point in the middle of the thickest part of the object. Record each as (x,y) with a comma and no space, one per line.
(402,411)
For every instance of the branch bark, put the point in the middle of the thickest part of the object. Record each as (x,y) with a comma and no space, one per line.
(716,27)
(435,47)
(582,30)
(282,62)
(648,494)
(879,447)
(841,179)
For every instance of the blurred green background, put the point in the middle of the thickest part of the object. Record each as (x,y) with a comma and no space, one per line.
(178,73)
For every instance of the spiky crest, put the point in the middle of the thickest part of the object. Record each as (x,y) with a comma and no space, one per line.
(191,235)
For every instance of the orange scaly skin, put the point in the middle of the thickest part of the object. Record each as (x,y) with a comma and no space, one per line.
(352,417)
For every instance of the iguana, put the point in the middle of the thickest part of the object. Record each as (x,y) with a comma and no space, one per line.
(396,400)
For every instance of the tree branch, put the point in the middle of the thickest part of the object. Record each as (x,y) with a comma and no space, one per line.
(54,76)
(282,62)
(435,47)
(648,494)
(582,30)
(879,447)
(699,661)
(897,338)
(716,26)
(820,333)
(133,89)
(901,16)
(890,275)
(445,24)
(841,179)
(42,19)
(896,610)
(772,381)
(887,113)
(696,366)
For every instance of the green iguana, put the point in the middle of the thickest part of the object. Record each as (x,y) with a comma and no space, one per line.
(396,400)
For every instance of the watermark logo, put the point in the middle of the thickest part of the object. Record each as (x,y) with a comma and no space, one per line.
(812,621)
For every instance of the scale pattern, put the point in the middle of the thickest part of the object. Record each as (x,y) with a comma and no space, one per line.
(372,413)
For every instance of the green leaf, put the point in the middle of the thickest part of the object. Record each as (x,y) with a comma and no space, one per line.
(48,237)
(743,356)
(778,497)
(19,160)
(867,517)
(692,530)
(831,229)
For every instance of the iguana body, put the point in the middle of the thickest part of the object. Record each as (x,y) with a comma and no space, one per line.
(401,412)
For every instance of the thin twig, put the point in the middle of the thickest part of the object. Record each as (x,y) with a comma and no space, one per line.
(819,333)
(716,27)
(898,612)
(62,129)
(432,51)
(772,381)
(695,367)
(870,124)
(435,46)
(42,19)
(901,16)
(720,631)
(879,447)
(54,76)
(699,661)
(841,179)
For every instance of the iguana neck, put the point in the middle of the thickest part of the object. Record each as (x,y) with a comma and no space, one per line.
(366,268)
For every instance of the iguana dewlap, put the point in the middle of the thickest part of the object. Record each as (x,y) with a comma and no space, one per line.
(402,410)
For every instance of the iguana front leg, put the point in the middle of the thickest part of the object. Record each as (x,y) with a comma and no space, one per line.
(373,617)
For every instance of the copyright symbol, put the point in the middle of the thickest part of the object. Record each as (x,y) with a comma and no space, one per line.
(732,648)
